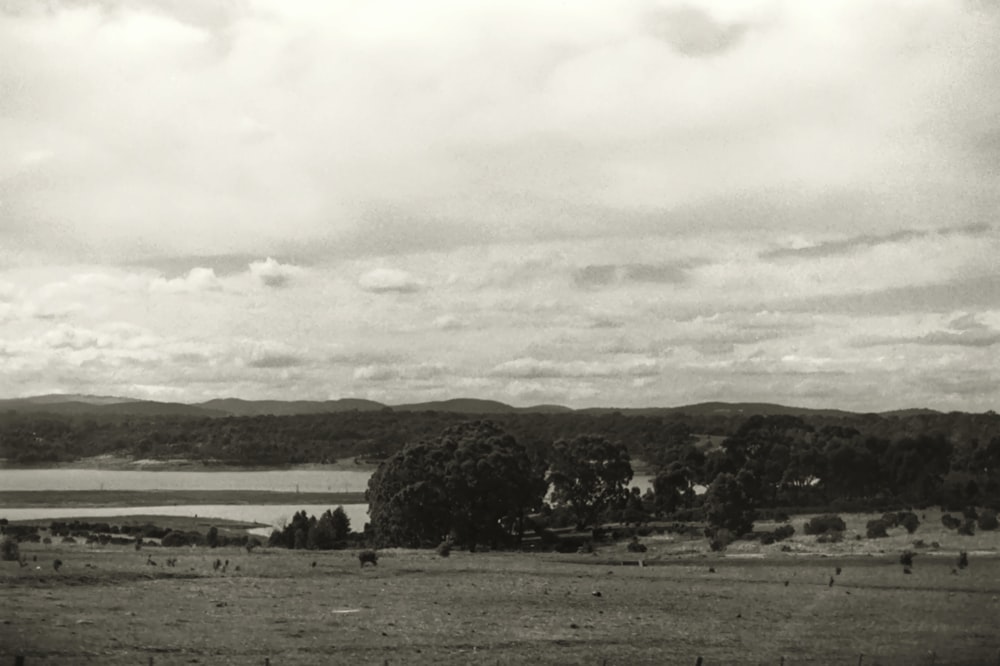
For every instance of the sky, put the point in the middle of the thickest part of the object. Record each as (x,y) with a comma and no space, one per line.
(632,203)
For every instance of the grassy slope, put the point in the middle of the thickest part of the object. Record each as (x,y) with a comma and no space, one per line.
(416,608)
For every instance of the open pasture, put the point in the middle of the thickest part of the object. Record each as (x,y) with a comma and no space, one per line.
(109,605)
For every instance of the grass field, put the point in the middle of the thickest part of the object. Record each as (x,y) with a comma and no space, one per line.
(106,605)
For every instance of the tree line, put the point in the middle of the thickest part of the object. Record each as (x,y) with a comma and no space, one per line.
(477,484)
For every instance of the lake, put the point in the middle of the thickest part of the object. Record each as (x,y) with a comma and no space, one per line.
(274,515)
(292,480)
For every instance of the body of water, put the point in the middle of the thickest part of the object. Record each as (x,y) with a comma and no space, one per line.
(273,515)
(306,481)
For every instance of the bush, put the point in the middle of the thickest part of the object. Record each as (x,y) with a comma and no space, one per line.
(10,551)
(635,547)
(987,519)
(950,521)
(876,529)
(908,520)
(720,539)
(827,522)
(783,532)
(444,548)
(968,528)
(891,518)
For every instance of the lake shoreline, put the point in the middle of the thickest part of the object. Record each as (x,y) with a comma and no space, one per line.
(123,463)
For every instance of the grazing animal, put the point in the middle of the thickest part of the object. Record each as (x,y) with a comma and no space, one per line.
(150,561)
(314,564)
(963,559)
(711,570)
(831,581)
(839,570)
(368,556)
(216,564)
(786,583)
(906,570)
(56,564)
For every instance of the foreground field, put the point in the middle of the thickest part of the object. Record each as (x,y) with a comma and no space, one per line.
(107,605)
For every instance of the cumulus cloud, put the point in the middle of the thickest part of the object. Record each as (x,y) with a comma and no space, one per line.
(197,279)
(271,273)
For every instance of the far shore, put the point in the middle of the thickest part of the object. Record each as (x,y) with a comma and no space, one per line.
(121,498)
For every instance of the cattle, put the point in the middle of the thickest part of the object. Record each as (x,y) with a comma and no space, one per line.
(366,556)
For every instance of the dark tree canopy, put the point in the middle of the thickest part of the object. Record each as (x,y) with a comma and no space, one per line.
(589,474)
(729,503)
(475,484)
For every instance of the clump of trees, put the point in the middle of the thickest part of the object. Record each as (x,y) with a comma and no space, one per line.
(475,484)
(328,532)
(825,523)
(589,474)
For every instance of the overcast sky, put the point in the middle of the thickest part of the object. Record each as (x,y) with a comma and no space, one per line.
(630,203)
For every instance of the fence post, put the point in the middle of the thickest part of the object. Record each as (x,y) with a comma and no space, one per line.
(861,658)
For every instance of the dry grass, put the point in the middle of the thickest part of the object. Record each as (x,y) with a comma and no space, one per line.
(107,606)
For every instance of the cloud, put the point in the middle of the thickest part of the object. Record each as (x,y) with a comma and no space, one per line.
(693,32)
(603,275)
(389,280)
(866,241)
(416,372)
(964,331)
(197,279)
(272,361)
(532,368)
(272,274)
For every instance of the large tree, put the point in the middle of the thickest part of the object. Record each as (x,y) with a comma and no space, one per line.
(729,502)
(474,484)
(589,474)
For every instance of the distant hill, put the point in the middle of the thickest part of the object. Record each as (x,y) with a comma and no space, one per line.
(74,404)
(720,408)
(458,406)
(152,408)
(237,407)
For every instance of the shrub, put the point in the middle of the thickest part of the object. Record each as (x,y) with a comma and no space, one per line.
(444,548)
(783,532)
(720,539)
(908,520)
(950,521)
(906,558)
(876,529)
(635,547)
(10,551)
(968,528)
(891,518)
(988,519)
(827,522)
